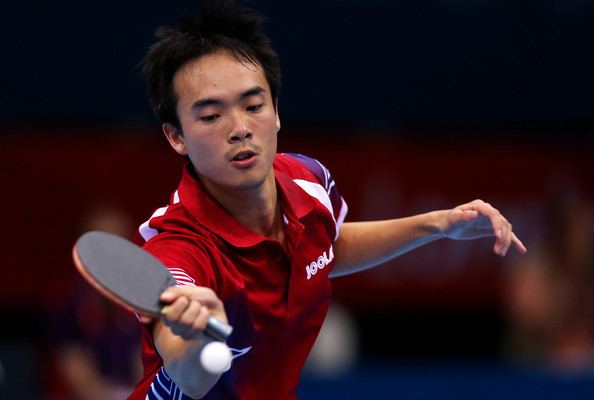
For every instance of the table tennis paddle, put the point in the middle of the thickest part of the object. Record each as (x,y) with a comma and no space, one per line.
(130,276)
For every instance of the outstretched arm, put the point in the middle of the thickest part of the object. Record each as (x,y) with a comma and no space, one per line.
(362,245)
(179,336)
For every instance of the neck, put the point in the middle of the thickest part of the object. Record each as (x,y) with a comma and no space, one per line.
(257,209)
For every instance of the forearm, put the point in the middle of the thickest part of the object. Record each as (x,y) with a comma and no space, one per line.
(181,359)
(362,245)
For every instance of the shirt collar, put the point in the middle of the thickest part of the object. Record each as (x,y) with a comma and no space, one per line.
(211,215)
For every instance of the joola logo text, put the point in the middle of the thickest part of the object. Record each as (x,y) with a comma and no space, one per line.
(320,263)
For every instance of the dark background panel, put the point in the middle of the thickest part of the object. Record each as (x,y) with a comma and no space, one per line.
(455,64)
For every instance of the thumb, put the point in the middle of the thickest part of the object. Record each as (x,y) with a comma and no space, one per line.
(466,215)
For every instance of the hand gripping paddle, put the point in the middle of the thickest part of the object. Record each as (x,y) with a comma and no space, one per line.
(131,277)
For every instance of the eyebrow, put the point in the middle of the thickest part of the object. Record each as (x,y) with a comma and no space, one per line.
(255,91)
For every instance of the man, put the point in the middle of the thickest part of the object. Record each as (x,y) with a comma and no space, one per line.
(251,235)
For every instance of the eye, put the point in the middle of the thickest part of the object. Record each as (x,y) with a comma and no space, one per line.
(209,118)
(256,107)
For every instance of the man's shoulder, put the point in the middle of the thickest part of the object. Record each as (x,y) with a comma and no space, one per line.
(300,166)
(172,222)
(179,246)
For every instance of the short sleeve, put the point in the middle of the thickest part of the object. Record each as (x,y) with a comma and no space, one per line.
(187,261)
(337,204)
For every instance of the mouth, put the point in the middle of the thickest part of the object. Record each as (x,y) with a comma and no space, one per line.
(244,159)
(243,155)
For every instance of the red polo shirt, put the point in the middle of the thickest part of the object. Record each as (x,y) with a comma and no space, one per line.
(275,297)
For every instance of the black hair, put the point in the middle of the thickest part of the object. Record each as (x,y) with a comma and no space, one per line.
(219,25)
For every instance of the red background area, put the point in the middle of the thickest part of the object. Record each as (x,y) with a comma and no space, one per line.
(51,179)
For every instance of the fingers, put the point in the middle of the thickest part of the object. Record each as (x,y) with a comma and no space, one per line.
(501,227)
(198,293)
(503,234)
(188,309)
(519,245)
(186,317)
(494,222)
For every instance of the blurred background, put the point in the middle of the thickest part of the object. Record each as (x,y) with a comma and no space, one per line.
(413,105)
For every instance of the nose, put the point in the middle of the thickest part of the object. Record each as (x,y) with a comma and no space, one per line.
(239,131)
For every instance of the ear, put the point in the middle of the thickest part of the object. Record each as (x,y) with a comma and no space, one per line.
(278,123)
(175,138)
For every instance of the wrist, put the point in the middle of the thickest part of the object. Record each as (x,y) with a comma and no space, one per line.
(436,223)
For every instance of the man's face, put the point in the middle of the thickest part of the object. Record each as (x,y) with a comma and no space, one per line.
(229,122)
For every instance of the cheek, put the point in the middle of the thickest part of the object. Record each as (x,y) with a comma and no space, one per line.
(273,138)
(201,154)
(273,143)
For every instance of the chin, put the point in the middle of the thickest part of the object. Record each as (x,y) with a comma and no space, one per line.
(251,182)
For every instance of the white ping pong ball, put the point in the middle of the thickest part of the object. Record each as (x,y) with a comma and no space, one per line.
(215,357)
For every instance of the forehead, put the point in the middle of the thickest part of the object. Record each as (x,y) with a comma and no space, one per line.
(217,74)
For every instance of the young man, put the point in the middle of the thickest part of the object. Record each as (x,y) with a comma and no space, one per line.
(253,237)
